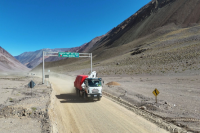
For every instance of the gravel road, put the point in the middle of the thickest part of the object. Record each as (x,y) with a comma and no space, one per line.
(69,113)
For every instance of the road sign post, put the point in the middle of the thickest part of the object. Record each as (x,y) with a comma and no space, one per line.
(47,76)
(156,92)
(156,100)
(64,54)
(31,85)
(43,68)
(91,62)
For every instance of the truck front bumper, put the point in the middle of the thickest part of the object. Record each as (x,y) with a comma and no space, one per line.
(94,95)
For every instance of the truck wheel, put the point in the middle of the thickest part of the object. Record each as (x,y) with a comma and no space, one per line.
(79,93)
(84,95)
(99,98)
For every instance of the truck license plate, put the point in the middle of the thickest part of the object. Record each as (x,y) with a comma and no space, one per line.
(95,95)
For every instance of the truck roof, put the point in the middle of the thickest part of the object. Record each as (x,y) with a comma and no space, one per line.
(93,78)
(82,75)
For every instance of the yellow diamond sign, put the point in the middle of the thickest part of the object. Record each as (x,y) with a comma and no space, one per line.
(155,92)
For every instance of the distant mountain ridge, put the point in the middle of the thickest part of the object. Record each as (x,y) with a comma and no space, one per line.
(9,63)
(54,58)
(32,59)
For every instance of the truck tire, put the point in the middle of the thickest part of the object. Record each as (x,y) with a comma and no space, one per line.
(76,91)
(79,93)
(99,98)
(84,95)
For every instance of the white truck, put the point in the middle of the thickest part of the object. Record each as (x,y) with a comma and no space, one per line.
(89,87)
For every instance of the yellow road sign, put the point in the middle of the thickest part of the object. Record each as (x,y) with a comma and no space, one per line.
(155,92)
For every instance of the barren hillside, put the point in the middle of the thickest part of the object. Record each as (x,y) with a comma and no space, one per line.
(162,37)
(32,59)
(155,14)
(9,63)
(54,58)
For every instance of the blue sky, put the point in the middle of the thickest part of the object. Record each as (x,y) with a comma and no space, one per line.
(29,25)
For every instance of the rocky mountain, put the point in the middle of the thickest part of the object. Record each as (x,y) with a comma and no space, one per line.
(9,63)
(161,27)
(54,58)
(155,14)
(89,45)
(82,49)
(27,57)
(32,59)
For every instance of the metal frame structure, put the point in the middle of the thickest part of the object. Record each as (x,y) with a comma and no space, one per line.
(53,54)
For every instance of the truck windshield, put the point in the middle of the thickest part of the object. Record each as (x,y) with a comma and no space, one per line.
(94,83)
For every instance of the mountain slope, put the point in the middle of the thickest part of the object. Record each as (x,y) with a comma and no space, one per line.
(54,58)
(90,44)
(159,24)
(82,49)
(32,59)
(155,14)
(27,57)
(9,63)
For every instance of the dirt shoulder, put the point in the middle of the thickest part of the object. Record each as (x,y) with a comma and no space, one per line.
(178,101)
(23,109)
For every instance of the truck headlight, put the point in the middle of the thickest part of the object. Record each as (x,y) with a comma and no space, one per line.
(89,95)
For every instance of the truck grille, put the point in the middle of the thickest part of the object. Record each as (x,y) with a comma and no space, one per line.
(95,91)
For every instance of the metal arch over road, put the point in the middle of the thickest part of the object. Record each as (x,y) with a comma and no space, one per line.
(60,54)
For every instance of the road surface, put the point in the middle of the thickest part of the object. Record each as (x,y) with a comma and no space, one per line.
(70,114)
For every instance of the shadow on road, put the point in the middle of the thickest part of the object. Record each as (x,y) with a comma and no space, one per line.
(72,98)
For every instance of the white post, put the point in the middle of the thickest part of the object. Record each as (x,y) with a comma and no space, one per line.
(91,62)
(43,70)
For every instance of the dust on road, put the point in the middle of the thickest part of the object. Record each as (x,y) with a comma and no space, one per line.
(70,113)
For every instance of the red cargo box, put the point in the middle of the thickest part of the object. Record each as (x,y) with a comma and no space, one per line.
(79,80)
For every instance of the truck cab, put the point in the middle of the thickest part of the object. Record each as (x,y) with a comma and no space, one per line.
(89,87)
(93,88)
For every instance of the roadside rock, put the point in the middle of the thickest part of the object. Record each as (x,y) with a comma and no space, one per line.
(143,108)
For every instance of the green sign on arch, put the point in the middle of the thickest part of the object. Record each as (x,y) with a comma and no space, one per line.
(68,54)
